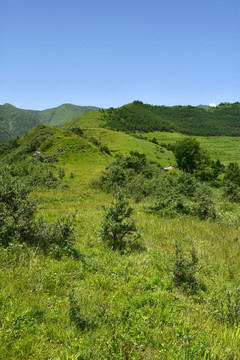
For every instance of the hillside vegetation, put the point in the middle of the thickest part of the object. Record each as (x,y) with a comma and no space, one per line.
(16,122)
(221,120)
(104,255)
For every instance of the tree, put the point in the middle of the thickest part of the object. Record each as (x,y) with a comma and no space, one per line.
(191,158)
(187,154)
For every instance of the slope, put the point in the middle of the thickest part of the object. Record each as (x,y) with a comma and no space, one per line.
(118,142)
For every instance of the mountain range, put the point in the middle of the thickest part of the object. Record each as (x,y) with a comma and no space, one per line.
(204,120)
(16,122)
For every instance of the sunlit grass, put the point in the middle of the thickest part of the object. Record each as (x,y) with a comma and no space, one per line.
(129,301)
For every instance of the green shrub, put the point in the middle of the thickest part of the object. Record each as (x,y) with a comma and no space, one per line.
(35,173)
(18,222)
(57,238)
(185,269)
(231,191)
(94,141)
(16,211)
(118,230)
(79,313)
(77,131)
(105,149)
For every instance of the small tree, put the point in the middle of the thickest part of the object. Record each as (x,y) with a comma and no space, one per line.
(187,153)
(118,230)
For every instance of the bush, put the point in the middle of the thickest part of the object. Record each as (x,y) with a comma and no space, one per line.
(57,238)
(231,191)
(185,270)
(18,222)
(80,312)
(16,211)
(77,131)
(118,230)
(105,149)
(94,141)
(169,194)
(36,173)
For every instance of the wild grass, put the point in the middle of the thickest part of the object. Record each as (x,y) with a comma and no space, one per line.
(104,304)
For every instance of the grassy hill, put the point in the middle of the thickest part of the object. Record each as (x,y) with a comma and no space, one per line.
(218,121)
(15,122)
(176,298)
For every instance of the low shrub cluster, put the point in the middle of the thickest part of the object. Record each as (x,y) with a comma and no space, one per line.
(167,194)
(18,223)
(39,173)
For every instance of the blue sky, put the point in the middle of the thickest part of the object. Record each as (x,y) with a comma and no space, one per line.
(109,53)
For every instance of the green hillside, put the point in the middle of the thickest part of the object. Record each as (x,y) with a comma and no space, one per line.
(16,122)
(221,120)
(71,288)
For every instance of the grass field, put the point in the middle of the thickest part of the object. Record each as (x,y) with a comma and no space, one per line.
(107,305)
(224,148)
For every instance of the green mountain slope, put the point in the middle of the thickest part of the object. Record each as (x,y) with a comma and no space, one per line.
(16,122)
(221,120)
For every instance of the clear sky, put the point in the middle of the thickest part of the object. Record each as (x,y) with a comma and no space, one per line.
(111,52)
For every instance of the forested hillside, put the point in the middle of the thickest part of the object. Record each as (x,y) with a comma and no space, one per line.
(222,120)
(16,122)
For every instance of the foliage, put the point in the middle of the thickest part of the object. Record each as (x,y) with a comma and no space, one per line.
(37,173)
(231,191)
(57,238)
(233,173)
(77,131)
(188,154)
(117,229)
(76,313)
(11,144)
(185,269)
(168,194)
(192,159)
(229,310)
(18,222)
(105,149)
(17,212)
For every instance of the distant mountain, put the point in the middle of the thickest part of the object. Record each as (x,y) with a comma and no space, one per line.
(223,119)
(16,122)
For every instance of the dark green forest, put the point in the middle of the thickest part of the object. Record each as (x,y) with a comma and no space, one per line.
(139,117)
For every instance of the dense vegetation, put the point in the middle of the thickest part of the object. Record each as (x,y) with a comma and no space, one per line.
(222,120)
(16,122)
(148,266)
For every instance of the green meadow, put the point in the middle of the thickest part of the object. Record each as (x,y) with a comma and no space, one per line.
(103,304)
